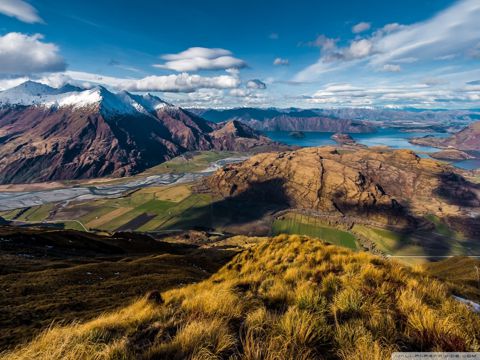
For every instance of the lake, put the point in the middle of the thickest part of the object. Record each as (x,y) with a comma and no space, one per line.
(393,138)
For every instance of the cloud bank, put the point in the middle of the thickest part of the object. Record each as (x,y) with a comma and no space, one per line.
(183,82)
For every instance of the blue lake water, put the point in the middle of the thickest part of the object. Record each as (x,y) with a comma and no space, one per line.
(393,138)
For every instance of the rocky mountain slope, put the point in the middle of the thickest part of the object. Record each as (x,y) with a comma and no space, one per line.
(285,120)
(391,187)
(70,133)
(467,139)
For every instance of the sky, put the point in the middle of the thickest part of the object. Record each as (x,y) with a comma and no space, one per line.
(216,53)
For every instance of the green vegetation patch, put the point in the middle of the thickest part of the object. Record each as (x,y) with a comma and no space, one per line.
(440,226)
(189,162)
(291,225)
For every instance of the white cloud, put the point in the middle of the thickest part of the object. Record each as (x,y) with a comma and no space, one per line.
(183,82)
(21,10)
(391,68)
(199,58)
(452,31)
(280,61)
(359,49)
(23,54)
(273,36)
(361,27)
(418,95)
(9,83)
(238,92)
(256,84)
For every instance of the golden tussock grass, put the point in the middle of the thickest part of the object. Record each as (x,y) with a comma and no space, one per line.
(288,297)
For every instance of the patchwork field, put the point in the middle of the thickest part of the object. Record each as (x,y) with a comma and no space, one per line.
(178,207)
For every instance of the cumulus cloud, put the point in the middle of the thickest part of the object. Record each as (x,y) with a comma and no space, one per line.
(452,31)
(25,54)
(361,27)
(359,49)
(280,61)
(256,84)
(183,82)
(391,68)
(200,58)
(21,10)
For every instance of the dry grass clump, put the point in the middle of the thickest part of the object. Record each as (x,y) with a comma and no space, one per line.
(289,297)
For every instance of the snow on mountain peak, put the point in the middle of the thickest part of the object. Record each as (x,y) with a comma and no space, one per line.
(32,93)
(27,93)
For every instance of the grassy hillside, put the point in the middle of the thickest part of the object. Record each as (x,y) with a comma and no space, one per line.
(59,276)
(463,273)
(287,297)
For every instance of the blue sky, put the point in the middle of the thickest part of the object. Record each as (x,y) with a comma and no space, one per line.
(422,53)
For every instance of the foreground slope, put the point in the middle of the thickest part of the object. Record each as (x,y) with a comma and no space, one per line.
(51,275)
(69,133)
(282,298)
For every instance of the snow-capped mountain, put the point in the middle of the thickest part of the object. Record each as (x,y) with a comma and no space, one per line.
(31,93)
(70,133)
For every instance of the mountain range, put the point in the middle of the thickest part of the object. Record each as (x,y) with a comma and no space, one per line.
(286,120)
(347,120)
(51,133)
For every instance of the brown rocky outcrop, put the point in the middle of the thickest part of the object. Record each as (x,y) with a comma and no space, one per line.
(451,155)
(391,187)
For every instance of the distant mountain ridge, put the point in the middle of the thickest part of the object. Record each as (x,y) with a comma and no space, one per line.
(70,133)
(467,139)
(340,119)
(286,120)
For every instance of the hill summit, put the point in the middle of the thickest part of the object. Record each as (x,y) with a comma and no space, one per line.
(287,297)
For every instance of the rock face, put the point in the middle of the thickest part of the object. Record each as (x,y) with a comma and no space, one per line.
(385,186)
(466,139)
(51,135)
(451,155)
(280,120)
(236,136)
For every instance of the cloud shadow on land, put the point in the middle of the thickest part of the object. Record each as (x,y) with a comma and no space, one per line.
(260,199)
(456,190)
